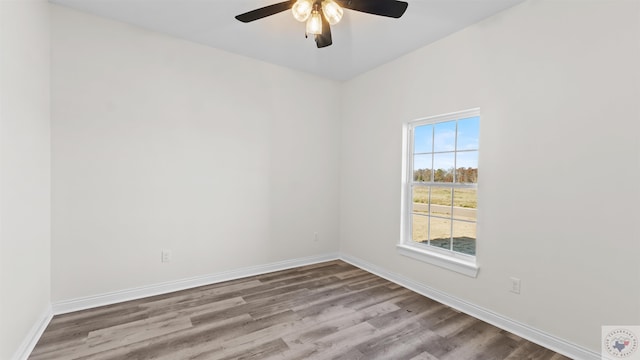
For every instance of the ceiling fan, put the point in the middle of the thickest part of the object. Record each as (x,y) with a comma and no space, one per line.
(320,14)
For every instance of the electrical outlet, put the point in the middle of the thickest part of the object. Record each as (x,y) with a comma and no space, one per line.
(515,285)
(316,237)
(166,256)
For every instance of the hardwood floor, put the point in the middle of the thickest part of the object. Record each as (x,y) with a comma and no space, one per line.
(331,310)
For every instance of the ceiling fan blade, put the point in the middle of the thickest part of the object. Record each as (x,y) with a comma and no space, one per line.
(389,8)
(324,39)
(265,11)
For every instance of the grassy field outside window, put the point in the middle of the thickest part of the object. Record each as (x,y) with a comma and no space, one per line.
(444,169)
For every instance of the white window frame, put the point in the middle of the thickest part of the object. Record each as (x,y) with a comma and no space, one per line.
(448,259)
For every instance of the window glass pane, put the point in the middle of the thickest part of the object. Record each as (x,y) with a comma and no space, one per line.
(423,139)
(419,227)
(467,167)
(464,237)
(465,203)
(420,198)
(441,202)
(468,131)
(443,167)
(440,232)
(444,136)
(422,167)
(443,214)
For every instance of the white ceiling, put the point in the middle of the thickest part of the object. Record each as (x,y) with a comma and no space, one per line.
(360,41)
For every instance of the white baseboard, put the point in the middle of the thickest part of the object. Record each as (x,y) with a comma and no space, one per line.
(66,306)
(34,335)
(534,335)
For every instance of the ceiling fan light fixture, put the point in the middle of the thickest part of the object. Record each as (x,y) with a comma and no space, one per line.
(332,11)
(314,24)
(321,14)
(302,9)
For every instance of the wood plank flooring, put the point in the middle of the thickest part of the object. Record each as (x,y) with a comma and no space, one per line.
(331,310)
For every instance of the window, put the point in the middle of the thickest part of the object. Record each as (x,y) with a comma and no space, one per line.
(440,190)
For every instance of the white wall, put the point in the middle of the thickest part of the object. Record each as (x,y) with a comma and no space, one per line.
(24,171)
(161,143)
(558,87)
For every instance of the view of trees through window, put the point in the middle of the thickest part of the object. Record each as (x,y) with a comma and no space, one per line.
(444,184)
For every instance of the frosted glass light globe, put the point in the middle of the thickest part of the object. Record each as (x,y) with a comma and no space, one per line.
(302,9)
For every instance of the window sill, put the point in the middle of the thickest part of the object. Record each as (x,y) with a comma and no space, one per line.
(461,266)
